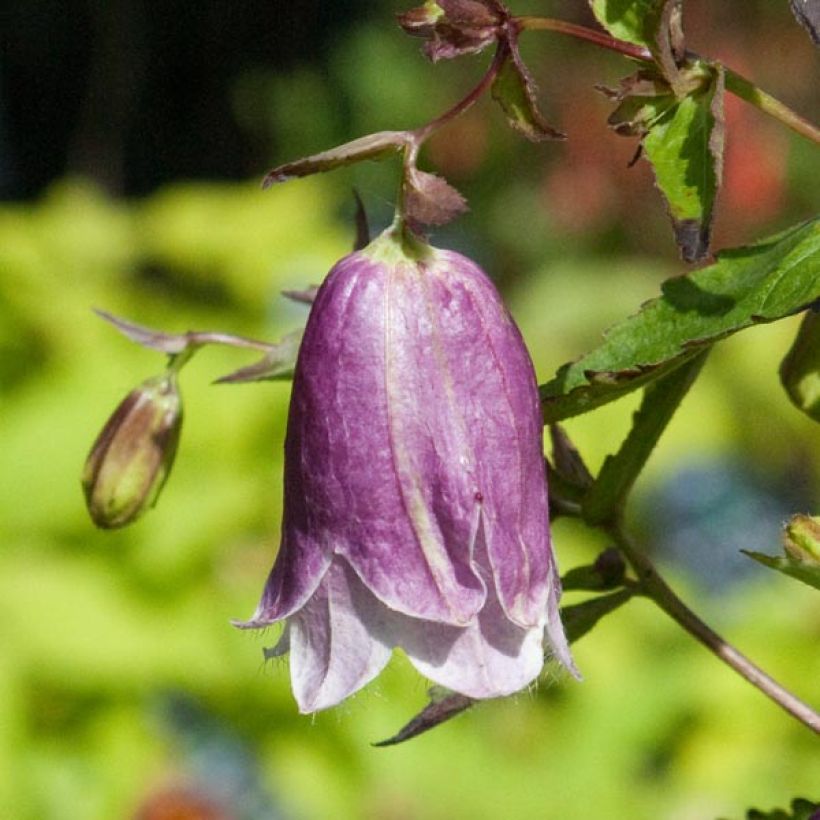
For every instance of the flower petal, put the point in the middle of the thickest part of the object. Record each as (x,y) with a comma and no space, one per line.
(490,658)
(495,381)
(332,652)
(370,481)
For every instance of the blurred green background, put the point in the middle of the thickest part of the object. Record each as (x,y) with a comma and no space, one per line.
(124,691)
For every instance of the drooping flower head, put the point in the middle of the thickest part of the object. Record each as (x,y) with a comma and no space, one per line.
(415,510)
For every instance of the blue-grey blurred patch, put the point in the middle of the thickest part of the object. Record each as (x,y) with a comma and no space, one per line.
(216,766)
(706,512)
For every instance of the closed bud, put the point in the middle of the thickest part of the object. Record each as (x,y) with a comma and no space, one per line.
(132,456)
(801,538)
(415,510)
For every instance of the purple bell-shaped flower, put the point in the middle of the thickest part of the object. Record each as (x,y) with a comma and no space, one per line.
(415,510)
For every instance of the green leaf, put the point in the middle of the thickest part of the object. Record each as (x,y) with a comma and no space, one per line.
(684,144)
(515,91)
(800,370)
(803,571)
(632,20)
(801,809)
(579,619)
(774,278)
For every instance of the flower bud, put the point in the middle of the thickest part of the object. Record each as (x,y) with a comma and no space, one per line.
(415,510)
(801,538)
(133,454)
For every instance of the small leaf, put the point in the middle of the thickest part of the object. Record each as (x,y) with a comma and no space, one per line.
(568,462)
(807,13)
(372,146)
(654,24)
(170,343)
(306,296)
(455,27)
(442,707)
(774,278)
(803,571)
(514,89)
(684,145)
(430,199)
(445,704)
(276,364)
(579,619)
(632,20)
(362,227)
(800,370)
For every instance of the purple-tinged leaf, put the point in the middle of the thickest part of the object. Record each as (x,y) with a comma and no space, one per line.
(807,13)
(515,91)
(431,200)
(443,706)
(277,363)
(362,227)
(455,27)
(170,343)
(472,13)
(372,146)
(306,296)
(567,460)
(175,343)
(654,24)
(685,148)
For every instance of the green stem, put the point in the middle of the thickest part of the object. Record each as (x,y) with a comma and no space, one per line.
(664,597)
(741,87)
(738,85)
(614,481)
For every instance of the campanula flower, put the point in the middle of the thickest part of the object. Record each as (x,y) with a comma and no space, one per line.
(415,507)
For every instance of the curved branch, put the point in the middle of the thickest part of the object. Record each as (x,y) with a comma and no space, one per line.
(656,588)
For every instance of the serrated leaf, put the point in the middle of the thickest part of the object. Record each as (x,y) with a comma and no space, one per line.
(372,146)
(774,278)
(431,200)
(654,24)
(514,89)
(685,148)
(802,570)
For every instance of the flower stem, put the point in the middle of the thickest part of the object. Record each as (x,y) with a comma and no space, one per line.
(748,91)
(656,588)
(599,38)
(422,133)
(738,85)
